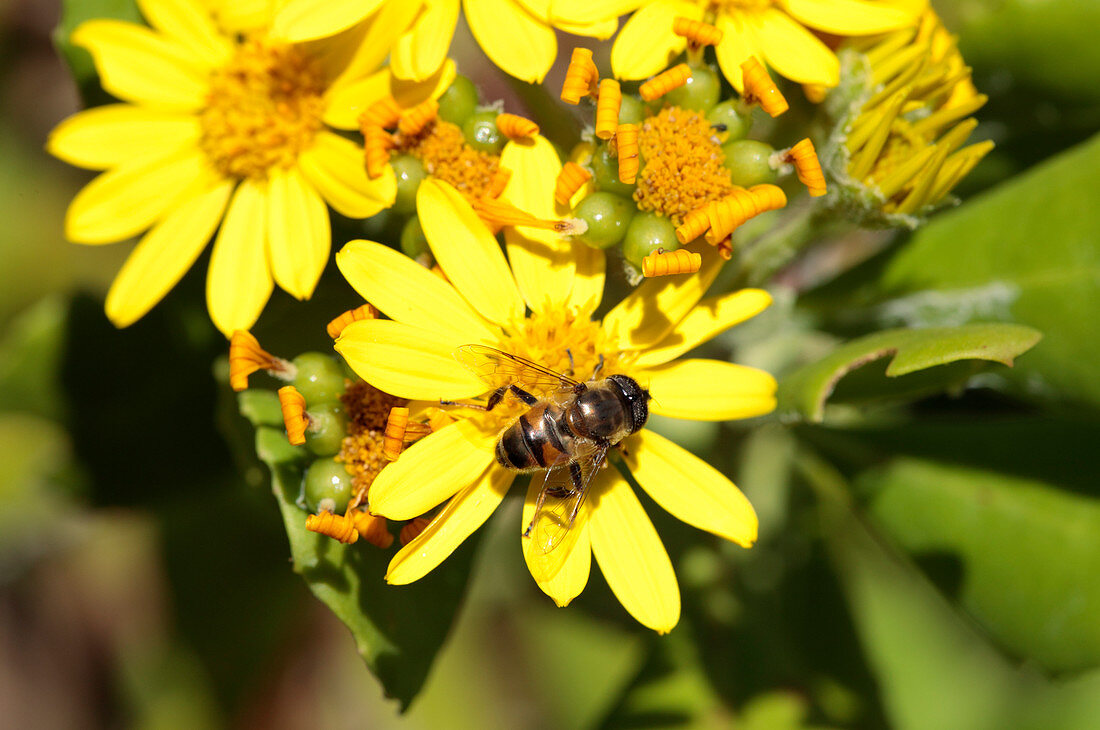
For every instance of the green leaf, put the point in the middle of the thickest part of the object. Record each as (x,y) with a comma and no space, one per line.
(398,629)
(805,391)
(1027,252)
(1029,552)
(75,12)
(932,667)
(1016,37)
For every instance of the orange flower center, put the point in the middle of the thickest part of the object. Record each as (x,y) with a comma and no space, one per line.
(361,452)
(684,164)
(263,109)
(443,151)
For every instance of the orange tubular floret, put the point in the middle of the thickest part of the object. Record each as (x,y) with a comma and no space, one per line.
(412,529)
(695,224)
(760,88)
(337,325)
(293,405)
(393,438)
(767,197)
(246,357)
(371,528)
(607,108)
(414,120)
(697,32)
(679,261)
(377,144)
(665,82)
(384,113)
(626,142)
(499,182)
(808,167)
(514,126)
(727,214)
(571,178)
(338,527)
(580,78)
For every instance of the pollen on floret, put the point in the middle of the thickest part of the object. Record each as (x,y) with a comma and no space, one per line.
(362,449)
(684,164)
(441,148)
(263,109)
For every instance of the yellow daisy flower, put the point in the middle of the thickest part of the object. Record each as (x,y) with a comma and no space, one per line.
(543,312)
(517,35)
(219,124)
(779,32)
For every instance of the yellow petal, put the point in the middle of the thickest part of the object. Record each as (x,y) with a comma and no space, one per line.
(112,135)
(334,167)
(710,317)
(239,281)
(467,252)
(541,260)
(421,50)
(373,40)
(407,361)
(243,16)
(708,390)
(298,234)
(563,572)
(431,470)
(165,254)
(405,291)
(848,17)
(793,51)
(345,103)
(189,23)
(690,489)
(126,200)
(137,64)
(631,556)
(737,44)
(461,516)
(581,12)
(601,30)
(588,279)
(653,309)
(303,20)
(646,45)
(515,40)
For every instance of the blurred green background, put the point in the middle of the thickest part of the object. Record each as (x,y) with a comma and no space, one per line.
(933,565)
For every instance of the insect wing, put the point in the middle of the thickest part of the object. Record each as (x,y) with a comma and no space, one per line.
(499,369)
(563,492)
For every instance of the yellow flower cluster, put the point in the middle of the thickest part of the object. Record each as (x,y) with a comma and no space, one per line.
(236,122)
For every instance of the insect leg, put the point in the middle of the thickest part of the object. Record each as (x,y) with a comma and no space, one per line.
(518,392)
(572,364)
(598,368)
(576,474)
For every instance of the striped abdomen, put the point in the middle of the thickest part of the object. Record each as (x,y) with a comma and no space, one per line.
(537,440)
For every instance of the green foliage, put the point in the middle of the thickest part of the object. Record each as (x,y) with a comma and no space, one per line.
(1029,552)
(933,668)
(75,12)
(398,629)
(804,392)
(1026,252)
